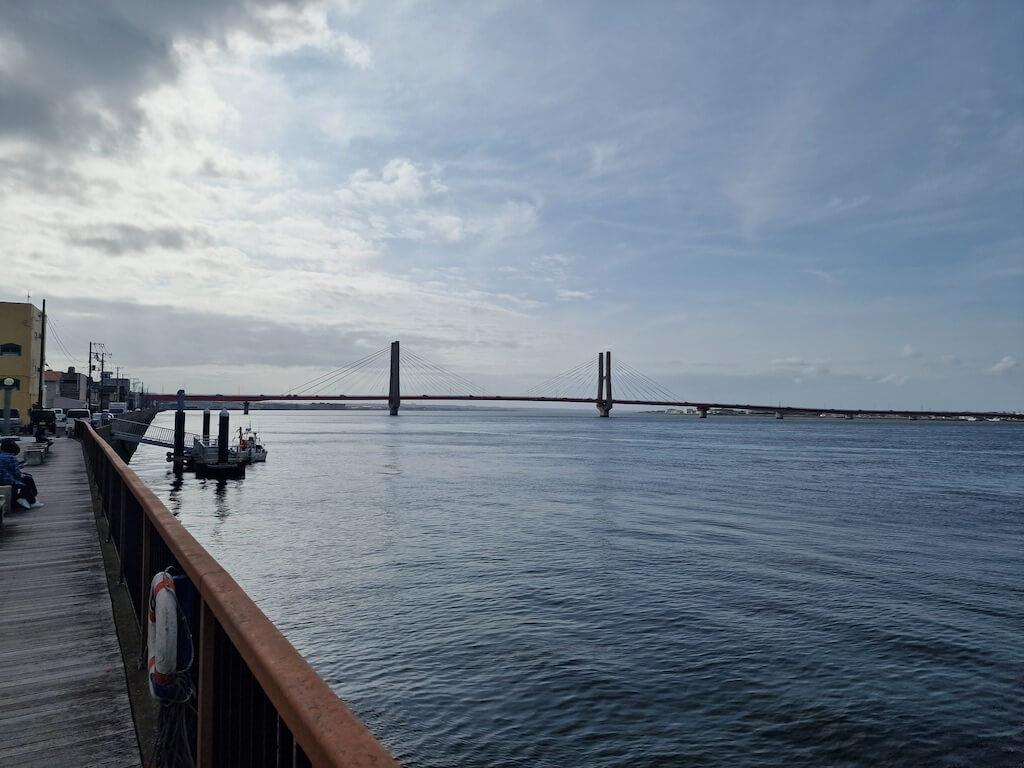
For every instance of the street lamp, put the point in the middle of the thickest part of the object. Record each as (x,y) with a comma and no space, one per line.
(8,386)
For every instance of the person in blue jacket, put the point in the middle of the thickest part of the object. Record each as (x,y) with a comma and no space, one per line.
(23,485)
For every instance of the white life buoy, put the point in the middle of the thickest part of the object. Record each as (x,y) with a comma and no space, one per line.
(163,637)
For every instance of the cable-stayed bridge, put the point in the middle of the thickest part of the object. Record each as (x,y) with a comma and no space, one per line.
(394,375)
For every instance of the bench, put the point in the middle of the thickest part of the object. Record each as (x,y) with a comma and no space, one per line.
(6,498)
(37,453)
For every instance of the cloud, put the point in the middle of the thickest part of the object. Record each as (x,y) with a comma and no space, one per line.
(566,295)
(75,77)
(121,239)
(893,378)
(799,365)
(789,362)
(1003,366)
(516,218)
(503,182)
(602,156)
(908,352)
(829,277)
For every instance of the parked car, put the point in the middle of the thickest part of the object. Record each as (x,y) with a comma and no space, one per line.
(101,419)
(45,418)
(77,414)
(15,421)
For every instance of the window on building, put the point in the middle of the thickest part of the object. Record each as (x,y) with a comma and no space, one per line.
(10,348)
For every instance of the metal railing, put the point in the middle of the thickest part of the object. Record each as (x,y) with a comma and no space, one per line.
(142,432)
(258,702)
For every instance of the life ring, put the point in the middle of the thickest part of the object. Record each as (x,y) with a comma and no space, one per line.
(163,638)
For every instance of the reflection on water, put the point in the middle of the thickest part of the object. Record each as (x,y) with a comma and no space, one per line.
(173,500)
(554,589)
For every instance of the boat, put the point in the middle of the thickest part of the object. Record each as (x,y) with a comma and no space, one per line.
(249,447)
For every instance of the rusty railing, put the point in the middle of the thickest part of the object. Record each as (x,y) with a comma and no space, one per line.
(258,702)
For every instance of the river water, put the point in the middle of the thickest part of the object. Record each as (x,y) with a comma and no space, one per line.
(548,588)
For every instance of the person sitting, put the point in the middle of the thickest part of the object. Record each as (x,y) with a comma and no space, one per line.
(22,483)
(41,436)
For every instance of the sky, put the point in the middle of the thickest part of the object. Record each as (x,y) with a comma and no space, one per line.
(807,203)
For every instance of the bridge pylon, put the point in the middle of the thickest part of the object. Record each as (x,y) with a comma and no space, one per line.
(394,391)
(604,383)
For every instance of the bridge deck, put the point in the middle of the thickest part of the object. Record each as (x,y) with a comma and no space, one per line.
(63,695)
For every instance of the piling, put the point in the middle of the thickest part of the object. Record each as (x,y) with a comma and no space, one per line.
(224,468)
(223,436)
(179,432)
(206,426)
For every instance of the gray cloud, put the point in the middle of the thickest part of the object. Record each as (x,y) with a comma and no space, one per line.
(122,239)
(163,336)
(74,71)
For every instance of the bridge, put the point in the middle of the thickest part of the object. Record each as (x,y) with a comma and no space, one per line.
(437,384)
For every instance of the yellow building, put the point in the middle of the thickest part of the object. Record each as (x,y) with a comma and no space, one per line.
(21,349)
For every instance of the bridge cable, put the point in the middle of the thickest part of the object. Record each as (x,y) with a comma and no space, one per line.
(353,369)
(650,389)
(348,374)
(552,387)
(452,377)
(348,366)
(429,378)
(350,371)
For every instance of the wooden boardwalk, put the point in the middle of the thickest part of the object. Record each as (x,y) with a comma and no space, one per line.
(63,695)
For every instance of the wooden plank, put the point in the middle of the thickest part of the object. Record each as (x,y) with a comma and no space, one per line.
(63,694)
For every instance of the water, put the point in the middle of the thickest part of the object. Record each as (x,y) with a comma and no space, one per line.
(554,589)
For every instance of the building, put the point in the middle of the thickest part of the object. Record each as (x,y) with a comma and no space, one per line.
(51,388)
(21,352)
(74,386)
(66,390)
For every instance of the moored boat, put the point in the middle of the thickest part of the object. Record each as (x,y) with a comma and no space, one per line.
(249,448)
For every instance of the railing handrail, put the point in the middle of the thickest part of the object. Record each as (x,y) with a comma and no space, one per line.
(326,729)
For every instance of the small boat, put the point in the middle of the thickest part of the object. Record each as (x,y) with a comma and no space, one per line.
(249,447)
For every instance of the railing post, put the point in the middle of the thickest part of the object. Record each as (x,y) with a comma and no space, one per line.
(205,720)
(144,581)
(120,544)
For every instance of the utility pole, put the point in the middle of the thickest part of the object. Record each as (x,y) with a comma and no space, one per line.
(42,360)
(102,357)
